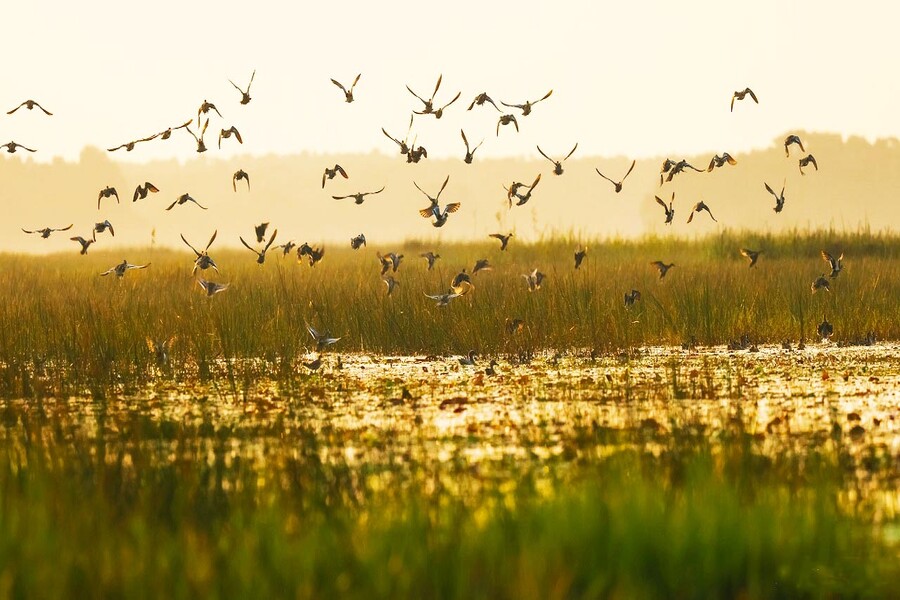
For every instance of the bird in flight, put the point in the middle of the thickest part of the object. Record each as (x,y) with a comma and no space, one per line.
(820,283)
(332,173)
(480,99)
(11,147)
(434,210)
(129,146)
(260,231)
(141,191)
(662,267)
(205,108)
(46,231)
(164,135)
(85,244)
(482,264)
(701,206)
(260,256)
(430,257)
(504,239)
(632,297)
(526,107)
(470,153)
(286,248)
(444,299)
(670,210)
(617,184)
(313,255)
(390,261)
(751,255)
(740,96)
(238,176)
(674,168)
(416,153)
(523,198)
(358,241)
(103,226)
(792,139)
(719,161)
(245,95)
(211,287)
(836,264)
(429,104)
(359,197)
(348,94)
(183,199)
(779,198)
(107,192)
(204,260)
(30,104)
(391,283)
(557,164)
(404,146)
(804,162)
(580,255)
(201,145)
(534,280)
(120,269)
(323,340)
(227,133)
(506,120)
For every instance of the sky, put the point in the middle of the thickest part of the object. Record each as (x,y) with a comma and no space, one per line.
(634,79)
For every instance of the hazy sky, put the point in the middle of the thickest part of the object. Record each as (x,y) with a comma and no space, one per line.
(630,78)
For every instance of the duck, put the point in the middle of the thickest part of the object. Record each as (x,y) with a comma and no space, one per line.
(184,199)
(428,109)
(167,133)
(528,105)
(632,297)
(751,255)
(806,160)
(201,145)
(534,280)
(430,258)
(260,231)
(245,94)
(825,329)
(720,161)
(404,146)
(390,261)
(121,268)
(676,168)
(557,164)
(30,104)
(580,255)
(260,255)
(205,108)
(504,239)
(506,120)
(129,146)
(358,241)
(618,184)
(85,244)
(792,139)
(480,99)
(524,198)
(203,260)
(662,267)
(701,206)
(323,340)
(332,173)
(46,231)
(107,192)
(391,283)
(239,175)
(211,287)
(820,284)
(161,348)
(313,255)
(481,265)
(227,133)
(348,94)
(670,210)
(11,147)
(359,197)
(779,198)
(470,153)
(740,96)
(141,191)
(444,299)
(469,359)
(836,264)
(286,248)
(103,226)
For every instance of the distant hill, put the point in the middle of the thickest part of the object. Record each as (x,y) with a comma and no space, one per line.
(856,187)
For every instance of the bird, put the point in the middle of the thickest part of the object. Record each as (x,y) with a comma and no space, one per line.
(804,162)
(480,99)
(504,239)
(740,96)
(779,198)
(103,226)
(85,244)
(348,94)
(675,168)
(700,206)
(481,264)
(239,175)
(260,255)
(204,260)
(513,326)
(389,261)
(359,197)
(332,173)
(444,299)
(523,198)
(260,231)
(314,364)
(527,106)
(434,209)
(792,139)
(323,340)
(46,231)
(557,168)
(506,120)
(166,134)
(534,280)
(245,95)
(205,108)
(161,348)
(469,359)
(211,287)
(107,192)
(751,255)
(201,145)
(30,104)
(462,283)
(825,329)
(430,257)
(11,147)
(404,146)
(121,268)
(429,104)
(129,146)
(632,297)
(391,283)
(439,112)
(837,264)
(286,247)
(820,283)
(719,161)
(490,371)
(356,242)
(662,267)
(313,255)
(670,210)
(227,133)
(580,254)
(470,153)
(617,184)
(183,199)
(141,191)
(416,153)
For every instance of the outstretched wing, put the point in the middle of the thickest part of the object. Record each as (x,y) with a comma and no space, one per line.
(572,151)
(189,245)
(271,239)
(442,189)
(340,85)
(545,156)
(246,245)
(630,169)
(604,176)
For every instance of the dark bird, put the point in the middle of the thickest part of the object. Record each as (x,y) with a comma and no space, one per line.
(429,104)
(632,297)
(482,264)
(211,287)
(719,161)
(332,173)
(129,146)
(751,255)
(85,244)
(836,264)
(260,256)
(504,239)
(201,145)
(526,107)
(617,184)
(430,257)
(227,133)
(46,231)
(101,227)
(11,147)
(416,153)
(359,197)
(523,198)
(662,267)
(470,153)
(183,199)
(792,139)
(506,120)
(676,168)
(779,198)
(30,104)
(670,210)
(390,261)
(260,231)
(444,299)
(204,260)
(164,135)
(820,283)
(107,192)
(391,283)
(239,175)
(404,146)
(245,95)
(314,364)
(469,359)
(286,248)
(358,241)
(534,280)
(439,112)
(323,340)
(120,269)
(313,255)
(809,158)
(557,164)
(580,254)
(825,329)
(462,283)
(740,96)
(480,99)
(701,206)
(205,108)
(141,191)
(348,94)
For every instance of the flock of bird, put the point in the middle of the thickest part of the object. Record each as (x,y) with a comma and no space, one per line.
(517,194)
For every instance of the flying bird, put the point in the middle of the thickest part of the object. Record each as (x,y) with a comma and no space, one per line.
(558,168)
(820,283)
(836,264)
(238,176)
(46,231)
(809,158)
(444,299)
(480,99)
(740,96)
(434,210)
(674,168)
(701,206)
(632,297)
(779,198)
(504,239)
(205,108)
(534,280)
(523,198)
(617,184)
(211,287)
(141,191)
(430,257)
(359,197)
(11,147)
(313,255)
(429,104)
(526,107)
(30,104)
(227,133)
(260,231)
(662,267)
(389,261)
(245,95)
(719,161)
(580,254)
(323,340)
(348,94)
(792,139)
(358,241)
(204,260)
(506,120)
(332,173)
(286,248)
(670,210)
(404,146)
(164,135)
(391,283)
(101,227)
(129,146)
(260,255)
(481,264)
(470,153)
(107,192)
(85,244)
(751,255)
(120,269)
(183,199)
(201,145)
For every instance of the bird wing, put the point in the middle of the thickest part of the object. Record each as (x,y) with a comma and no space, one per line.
(442,188)
(455,98)
(770,190)
(661,203)
(16,108)
(691,216)
(108,272)
(246,245)
(431,210)
(183,239)
(237,134)
(752,95)
(630,169)
(547,95)
(355,81)
(376,192)
(572,151)
(452,207)
(130,266)
(604,176)
(537,180)
(545,156)
(465,141)
(437,85)
(271,239)
(341,170)
(342,197)
(416,95)
(340,85)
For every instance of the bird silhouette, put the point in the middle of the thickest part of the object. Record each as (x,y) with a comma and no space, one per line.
(632,297)
(506,120)
(238,176)
(751,255)
(792,139)
(85,244)
(245,94)
(141,191)
(701,206)
(203,260)
(480,99)
(580,255)
(348,94)
(358,241)
(129,146)
(504,239)
(30,104)
(524,198)
(183,199)
(430,258)
(391,283)
(359,197)
(201,145)
(260,255)
(806,160)
(11,147)
(527,106)
(166,134)
(404,146)
(836,264)
(429,109)
(719,161)
(670,210)
(260,231)
(120,269)
(618,184)
(557,164)
(107,192)
(103,226)
(205,108)
(740,96)
(662,267)
(534,280)
(227,133)
(470,153)
(322,339)
(820,284)
(46,231)
(779,198)
(332,173)
(313,255)
(390,261)
(211,287)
